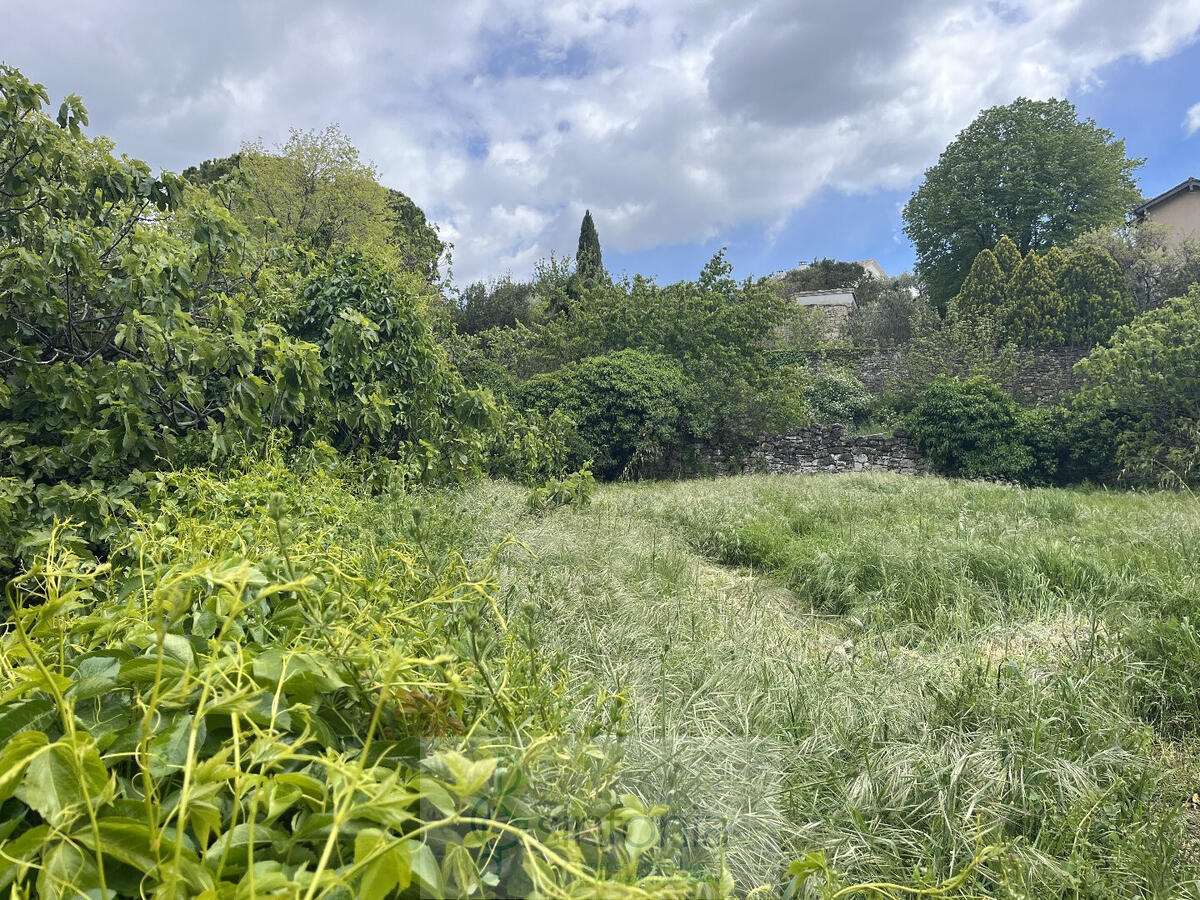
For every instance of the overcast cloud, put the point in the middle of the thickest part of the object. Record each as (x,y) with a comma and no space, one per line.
(505,118)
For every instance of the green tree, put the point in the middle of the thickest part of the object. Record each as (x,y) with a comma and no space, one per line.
(1156,266)
(1035,315)
(501,304)
(1007,255)
(319,173)
(1031,170)
(984,293)
(318,192)
(589,262)
(1096,296)
(820,275)
(1146,385)
(629,408)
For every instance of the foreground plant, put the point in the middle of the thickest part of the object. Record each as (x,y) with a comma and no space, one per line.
(248,701)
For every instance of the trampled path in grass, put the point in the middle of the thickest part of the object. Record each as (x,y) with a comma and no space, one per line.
(893,671)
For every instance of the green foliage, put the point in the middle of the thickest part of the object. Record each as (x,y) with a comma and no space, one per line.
(1031,170)
(414,239)
(1096,294)
(1146,383)
(629,409)
(263,691)
(1008,257)
(575,489)
(836,395)
(1056,299)
(316,195)
(821,275)
(529,447)
(124,344)
(893,315)
(1036,314)
(389,385)
(1156,264)
(501,304)
(984,293)
(969,427)
(589,261)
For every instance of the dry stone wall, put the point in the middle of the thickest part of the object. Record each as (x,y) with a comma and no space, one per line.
(815,449)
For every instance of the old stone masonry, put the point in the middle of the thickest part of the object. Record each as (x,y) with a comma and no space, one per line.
(828,448)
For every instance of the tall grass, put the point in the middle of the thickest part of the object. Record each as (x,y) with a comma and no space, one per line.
(892,672)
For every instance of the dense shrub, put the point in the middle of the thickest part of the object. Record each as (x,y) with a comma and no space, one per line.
(1146,385)
(970,427)
(715,330)
(270,689)
(629,408)
(837,396)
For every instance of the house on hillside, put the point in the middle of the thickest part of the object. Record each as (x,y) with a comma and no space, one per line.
(836,304)
(1177,208)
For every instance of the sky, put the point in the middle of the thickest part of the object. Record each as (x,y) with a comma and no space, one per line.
(784,130)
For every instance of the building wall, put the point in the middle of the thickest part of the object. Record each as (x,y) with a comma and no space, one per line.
(1181,214)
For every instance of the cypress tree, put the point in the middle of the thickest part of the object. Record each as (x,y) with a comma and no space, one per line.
(588,261)
(1096,294)
(1008,255)
(1036,315)
(983,293)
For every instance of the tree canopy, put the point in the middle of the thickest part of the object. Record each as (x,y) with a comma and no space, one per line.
(1031,170)
(318,195)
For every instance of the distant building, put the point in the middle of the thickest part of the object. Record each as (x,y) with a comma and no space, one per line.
(1178,209)
(874,269)
(836,304)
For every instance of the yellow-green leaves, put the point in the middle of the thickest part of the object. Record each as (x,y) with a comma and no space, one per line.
(63,779)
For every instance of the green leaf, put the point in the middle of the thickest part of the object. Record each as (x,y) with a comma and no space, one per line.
(16,756)
(22,714)
(57,777)
(641,834)
(424,867)
(387,868)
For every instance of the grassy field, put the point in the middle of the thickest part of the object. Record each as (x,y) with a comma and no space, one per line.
(273,682)
(894,672)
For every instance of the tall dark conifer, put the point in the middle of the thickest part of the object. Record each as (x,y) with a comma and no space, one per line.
(588,261)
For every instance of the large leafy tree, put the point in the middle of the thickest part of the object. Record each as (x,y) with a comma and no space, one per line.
(1031,170)
(125,335)
(315,193)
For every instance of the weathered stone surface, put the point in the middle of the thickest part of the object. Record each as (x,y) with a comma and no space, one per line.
(825,448)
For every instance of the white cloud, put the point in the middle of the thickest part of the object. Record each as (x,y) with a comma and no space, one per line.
(673,121)
(1191,122)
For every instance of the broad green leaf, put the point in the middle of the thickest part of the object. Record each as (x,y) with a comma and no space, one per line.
(424,867)
(16,756)
(57,777)
(641,834)
(28,713)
